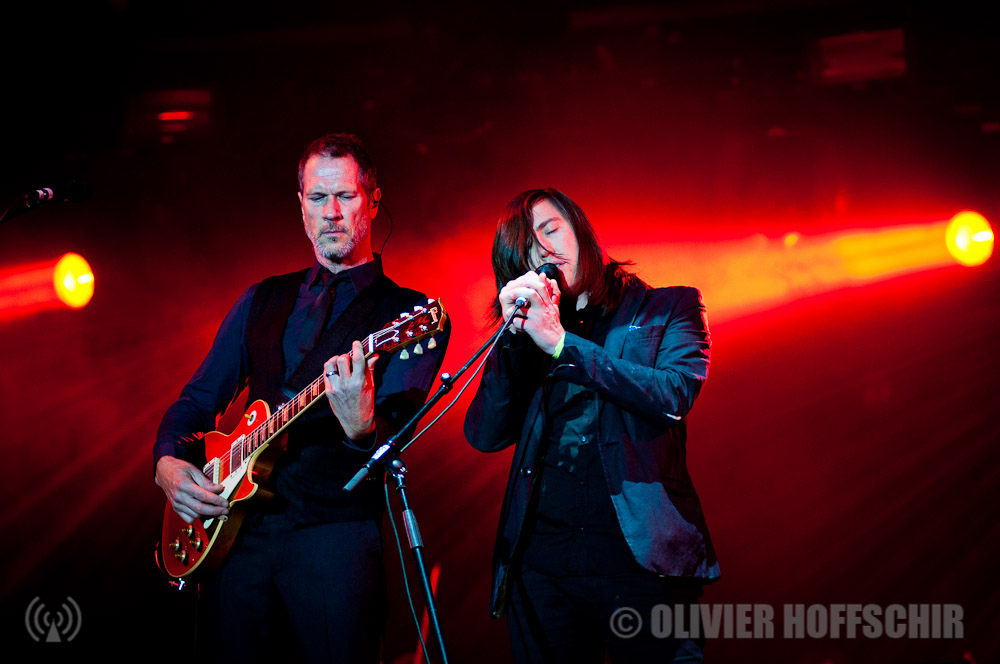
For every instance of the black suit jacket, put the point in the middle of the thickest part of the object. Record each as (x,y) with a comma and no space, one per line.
(646,376)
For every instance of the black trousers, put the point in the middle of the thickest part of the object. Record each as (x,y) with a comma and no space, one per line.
(313,594)
(580,619)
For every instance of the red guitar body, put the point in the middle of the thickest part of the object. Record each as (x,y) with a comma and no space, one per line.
(243,460)
(204,543)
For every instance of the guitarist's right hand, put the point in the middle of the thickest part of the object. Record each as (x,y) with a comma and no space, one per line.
(191,494)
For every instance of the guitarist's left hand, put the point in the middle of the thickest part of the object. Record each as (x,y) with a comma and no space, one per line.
(351,391)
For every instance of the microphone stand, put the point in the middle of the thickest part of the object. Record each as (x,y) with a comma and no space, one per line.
(395,467)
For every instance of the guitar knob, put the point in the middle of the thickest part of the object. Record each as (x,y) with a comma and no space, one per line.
(189,531)
(197,544)
(404,355)
(182,556)
(431,344)
(176,545)
(418,350)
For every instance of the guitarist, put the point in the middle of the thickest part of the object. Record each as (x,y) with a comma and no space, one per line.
(305,578)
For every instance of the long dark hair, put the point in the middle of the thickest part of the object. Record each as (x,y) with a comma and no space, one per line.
(603,278)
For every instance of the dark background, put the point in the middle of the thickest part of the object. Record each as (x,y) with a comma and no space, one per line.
(844,447)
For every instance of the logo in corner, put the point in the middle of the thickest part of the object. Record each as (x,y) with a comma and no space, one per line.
(53,627)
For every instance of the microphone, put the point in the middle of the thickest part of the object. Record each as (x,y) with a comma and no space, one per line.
(546,270)
(74,192)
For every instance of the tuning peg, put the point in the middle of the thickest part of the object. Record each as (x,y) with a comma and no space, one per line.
(404,355)
(431,344)
(418,350)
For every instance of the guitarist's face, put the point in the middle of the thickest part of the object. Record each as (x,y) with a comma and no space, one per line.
(336,212)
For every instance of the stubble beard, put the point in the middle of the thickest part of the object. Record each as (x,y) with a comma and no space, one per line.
(337,252)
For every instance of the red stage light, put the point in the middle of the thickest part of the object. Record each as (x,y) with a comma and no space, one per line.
(174,116)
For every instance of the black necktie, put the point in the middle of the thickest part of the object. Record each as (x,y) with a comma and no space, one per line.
(315,323)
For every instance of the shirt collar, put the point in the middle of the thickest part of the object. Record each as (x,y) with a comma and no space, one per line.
(362,276)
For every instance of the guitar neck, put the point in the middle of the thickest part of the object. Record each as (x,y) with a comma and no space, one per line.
(405,330)
(287,412)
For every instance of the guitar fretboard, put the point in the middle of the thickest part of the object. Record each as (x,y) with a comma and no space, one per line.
(244,447)
(406,330)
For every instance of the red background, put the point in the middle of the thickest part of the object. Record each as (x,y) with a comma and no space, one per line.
(844,444)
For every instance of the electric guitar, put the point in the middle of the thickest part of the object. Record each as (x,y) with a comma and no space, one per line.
(243,460)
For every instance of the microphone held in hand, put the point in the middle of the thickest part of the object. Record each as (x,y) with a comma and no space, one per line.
(546,270)
(549,270)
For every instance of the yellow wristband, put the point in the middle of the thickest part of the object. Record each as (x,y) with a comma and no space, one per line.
(559,346)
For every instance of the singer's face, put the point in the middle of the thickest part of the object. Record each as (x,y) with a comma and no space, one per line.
(336,212)
(555,242)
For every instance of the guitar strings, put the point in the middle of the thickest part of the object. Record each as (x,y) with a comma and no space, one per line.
(244,447)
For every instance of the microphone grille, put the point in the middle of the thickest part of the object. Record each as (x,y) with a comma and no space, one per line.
(549,270)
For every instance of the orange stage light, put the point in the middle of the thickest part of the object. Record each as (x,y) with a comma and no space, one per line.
(27,289)
(874,254)
(744,276)
(969,238)
(73,281)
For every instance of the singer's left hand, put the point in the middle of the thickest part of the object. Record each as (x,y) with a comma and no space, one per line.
(540,319)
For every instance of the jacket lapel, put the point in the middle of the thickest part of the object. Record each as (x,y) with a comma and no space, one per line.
(623,319)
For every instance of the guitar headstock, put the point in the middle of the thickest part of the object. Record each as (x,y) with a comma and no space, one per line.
(411,328)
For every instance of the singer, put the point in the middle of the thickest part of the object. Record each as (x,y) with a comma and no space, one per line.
(591,385)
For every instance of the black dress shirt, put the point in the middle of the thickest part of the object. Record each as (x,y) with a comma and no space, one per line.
(574,530)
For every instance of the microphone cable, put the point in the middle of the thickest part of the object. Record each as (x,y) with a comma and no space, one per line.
(496,339)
